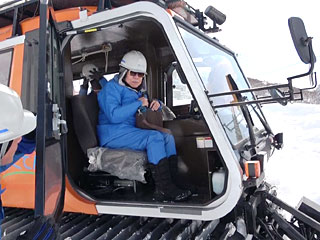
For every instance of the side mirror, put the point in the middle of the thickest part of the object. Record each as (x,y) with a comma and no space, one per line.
(301,40)
(303,45)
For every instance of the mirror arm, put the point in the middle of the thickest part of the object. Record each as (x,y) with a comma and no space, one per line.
(274,100)
(304,74)
(250,90)
(315,82)
(312,61)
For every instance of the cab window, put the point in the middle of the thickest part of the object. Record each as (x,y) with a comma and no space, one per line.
(180,92)
(219,72)
(5,66)
(78,82)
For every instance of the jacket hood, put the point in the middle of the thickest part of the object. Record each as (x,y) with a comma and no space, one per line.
(121,76)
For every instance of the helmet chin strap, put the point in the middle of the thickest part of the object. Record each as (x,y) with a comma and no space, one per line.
(3,150)
(137,88)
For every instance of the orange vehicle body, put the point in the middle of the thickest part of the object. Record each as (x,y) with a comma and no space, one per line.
(19,180)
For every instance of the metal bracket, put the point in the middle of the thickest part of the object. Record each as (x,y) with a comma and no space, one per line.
(59,126)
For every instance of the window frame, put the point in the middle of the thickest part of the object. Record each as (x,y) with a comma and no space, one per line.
(10,64)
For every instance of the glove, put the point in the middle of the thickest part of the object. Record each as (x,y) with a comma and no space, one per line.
(142,109)
(95,84)
(96,75)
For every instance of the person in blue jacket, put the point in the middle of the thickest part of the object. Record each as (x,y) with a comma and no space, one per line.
(119,101)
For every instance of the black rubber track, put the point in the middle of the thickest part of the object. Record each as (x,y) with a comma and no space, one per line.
(76,226)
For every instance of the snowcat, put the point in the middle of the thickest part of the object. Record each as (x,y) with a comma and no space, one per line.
(222,136)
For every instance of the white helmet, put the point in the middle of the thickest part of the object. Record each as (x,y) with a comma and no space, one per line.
(86,70)
(14,121)
(134,61)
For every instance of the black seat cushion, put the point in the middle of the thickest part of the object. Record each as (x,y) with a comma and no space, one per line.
(85,110)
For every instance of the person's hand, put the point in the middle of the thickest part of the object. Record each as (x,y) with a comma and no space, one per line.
(166,130)
(155,105)
(96,75)
(7,158)
(95,85)
(144,101)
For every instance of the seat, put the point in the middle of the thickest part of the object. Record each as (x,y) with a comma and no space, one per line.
(85,110)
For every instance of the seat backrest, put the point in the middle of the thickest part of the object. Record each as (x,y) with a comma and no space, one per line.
(85,110)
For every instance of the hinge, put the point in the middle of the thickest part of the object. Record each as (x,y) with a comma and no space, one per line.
(59,126)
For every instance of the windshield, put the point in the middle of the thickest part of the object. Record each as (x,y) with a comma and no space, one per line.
(220,72)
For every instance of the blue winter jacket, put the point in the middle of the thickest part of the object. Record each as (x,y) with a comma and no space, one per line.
(118,105)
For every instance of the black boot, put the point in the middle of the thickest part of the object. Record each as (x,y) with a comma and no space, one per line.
(165,188)
(173,164)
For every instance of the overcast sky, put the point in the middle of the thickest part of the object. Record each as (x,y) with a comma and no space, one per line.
(258,32)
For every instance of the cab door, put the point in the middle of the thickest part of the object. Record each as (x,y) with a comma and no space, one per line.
(51,128)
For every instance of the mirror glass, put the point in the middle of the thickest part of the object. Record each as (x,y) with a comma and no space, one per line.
(300,37)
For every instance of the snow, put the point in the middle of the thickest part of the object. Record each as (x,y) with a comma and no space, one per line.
(294,170)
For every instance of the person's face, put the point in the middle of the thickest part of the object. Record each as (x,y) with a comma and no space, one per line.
(134,79)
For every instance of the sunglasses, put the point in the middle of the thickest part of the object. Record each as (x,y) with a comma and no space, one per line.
(132,74)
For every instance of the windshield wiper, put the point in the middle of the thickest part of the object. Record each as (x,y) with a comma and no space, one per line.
(264,123)
(244,110)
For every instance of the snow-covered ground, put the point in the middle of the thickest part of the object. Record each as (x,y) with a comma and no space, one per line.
(295,170)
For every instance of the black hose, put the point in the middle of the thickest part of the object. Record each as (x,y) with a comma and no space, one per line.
(266,228)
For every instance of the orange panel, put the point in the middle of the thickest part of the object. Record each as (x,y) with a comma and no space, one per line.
(71,14)
(5,32)
(19,180)
(51,199)
(29,24)
(75,203)
(17,68)
(252,168)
